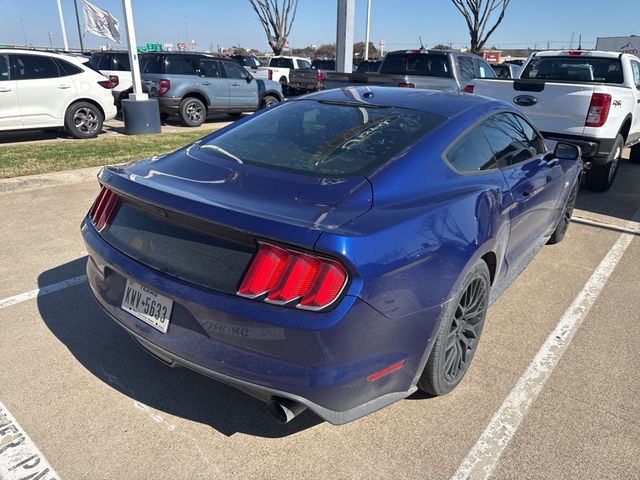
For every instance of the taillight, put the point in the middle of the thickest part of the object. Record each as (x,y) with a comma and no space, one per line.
(111,83)
(575,53)
(598,110)
(320,78)
(468,89)
(406,85)
(164,86)
(281,276)
(270,74)
(103,208)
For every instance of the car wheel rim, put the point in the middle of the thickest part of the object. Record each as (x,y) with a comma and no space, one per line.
(194,112)
(465,330)
(85,120)
(269,103)
(614,164)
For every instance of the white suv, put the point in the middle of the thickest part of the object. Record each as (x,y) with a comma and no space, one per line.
(48,90)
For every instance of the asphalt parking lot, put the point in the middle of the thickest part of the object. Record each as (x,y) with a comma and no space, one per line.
(96,406)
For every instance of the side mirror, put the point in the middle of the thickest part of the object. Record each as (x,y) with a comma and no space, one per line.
(567,151)
(249,78)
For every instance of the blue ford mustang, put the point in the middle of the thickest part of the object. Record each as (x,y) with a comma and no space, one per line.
(336,252)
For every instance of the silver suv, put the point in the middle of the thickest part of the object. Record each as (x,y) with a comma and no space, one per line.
(194,85)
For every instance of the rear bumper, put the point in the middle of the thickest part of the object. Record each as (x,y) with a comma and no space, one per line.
(254,347)
(590,147)
(169,105)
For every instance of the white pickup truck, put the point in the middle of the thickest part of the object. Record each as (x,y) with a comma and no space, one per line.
(280,66)
(588,98)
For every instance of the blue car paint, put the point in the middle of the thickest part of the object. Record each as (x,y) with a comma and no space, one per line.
(408,233)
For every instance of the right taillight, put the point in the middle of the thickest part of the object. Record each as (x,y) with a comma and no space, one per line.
(164,85)
(598,110)
(270,74)
(304,280)
(468,89)
(103,208)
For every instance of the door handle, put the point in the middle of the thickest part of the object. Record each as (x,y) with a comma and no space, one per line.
(5,90)
(64,87)
(235,84)
(206,83)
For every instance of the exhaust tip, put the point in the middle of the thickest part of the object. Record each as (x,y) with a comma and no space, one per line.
(283,409)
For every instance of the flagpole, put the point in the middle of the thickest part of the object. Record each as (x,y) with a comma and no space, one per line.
(64,30)
(75,4)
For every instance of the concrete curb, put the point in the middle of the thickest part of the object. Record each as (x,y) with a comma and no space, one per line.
(43,180)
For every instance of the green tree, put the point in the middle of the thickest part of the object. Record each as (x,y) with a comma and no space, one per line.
(358,50)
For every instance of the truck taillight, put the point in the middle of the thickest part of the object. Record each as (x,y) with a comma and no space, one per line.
(282,276)
(468,89)
(598,110)
(320,78)
(270,74)
(406,85)
(164,85)
(103,208)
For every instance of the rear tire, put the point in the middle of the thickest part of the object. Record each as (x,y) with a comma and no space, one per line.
(83,120)
(192,112)
(634,156)
(269,101)
(563,224)
(458,334)
(603,170)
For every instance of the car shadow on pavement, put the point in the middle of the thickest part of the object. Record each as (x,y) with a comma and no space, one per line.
(621,200)
(109,353)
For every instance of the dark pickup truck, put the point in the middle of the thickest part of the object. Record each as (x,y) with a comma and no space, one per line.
(433,69)
(311,79)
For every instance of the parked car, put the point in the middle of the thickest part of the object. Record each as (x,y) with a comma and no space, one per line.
(253,65)
(258,256)
(367,66)
(311,79)
(43,90)
(589,98)
(196,85)
(115,64)
(507,71)
(433,69)
(280,68)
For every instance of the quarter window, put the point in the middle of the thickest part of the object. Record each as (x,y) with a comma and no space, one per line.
(32,67)
(635,68)
(472,153)
(510,139)
(4,68)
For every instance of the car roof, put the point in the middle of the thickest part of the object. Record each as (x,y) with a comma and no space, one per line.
(573,53)
(64,56)
(446,104)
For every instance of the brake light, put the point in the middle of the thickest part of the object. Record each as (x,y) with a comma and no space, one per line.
(270,74)
(281,276)
(103,208)
(164,85)
(406,85)
(111,83)
(575,53)
(598,110)
(468,89)
(412,51)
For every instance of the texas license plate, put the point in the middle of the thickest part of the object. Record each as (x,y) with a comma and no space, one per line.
(148,305)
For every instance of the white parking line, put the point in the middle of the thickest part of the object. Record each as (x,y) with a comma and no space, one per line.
(483,458)
(19,457)
(39,292)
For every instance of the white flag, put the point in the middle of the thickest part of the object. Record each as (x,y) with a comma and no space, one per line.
(100,22)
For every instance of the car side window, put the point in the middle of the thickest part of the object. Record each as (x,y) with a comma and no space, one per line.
(4,68)
(535,139)
(485,70)
(178,65)
(121,62)
(151,64)
(465,66)
(235,71)
(509,140)
(31,67)
(100,61)
(635,68)
(472,154)
(210,69)
(66,68)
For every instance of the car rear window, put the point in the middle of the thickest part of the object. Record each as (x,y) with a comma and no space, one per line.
(425,64)
(322,138)
(324,64)
(574,69)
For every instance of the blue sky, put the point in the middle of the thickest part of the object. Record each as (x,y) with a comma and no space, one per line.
(232,22)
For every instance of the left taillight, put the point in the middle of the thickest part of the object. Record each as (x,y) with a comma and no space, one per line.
(103,208)
(290,277)
(111,83)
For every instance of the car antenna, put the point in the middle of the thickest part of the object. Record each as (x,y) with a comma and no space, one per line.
(422,48)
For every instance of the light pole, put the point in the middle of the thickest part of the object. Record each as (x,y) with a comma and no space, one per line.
(50,42)
(366,36)
(64,30)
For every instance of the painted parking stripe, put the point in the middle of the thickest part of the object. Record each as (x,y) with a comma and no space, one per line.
(483,458)
(39,292)
(19,457)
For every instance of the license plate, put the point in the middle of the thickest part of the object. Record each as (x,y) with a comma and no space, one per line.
(303,85)
(148,305)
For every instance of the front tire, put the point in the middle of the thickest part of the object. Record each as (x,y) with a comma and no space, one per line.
(634,157)
(83,120)
(192,112)
(458,335)
(603,170)
(563,224)
(269,101)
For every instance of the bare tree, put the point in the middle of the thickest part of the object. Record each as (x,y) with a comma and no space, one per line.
(477,14)
(276,18)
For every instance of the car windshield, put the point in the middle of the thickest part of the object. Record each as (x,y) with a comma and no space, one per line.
(425,64)
(574,69)
(324,138)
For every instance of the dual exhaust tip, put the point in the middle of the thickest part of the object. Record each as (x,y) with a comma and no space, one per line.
(283,409)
